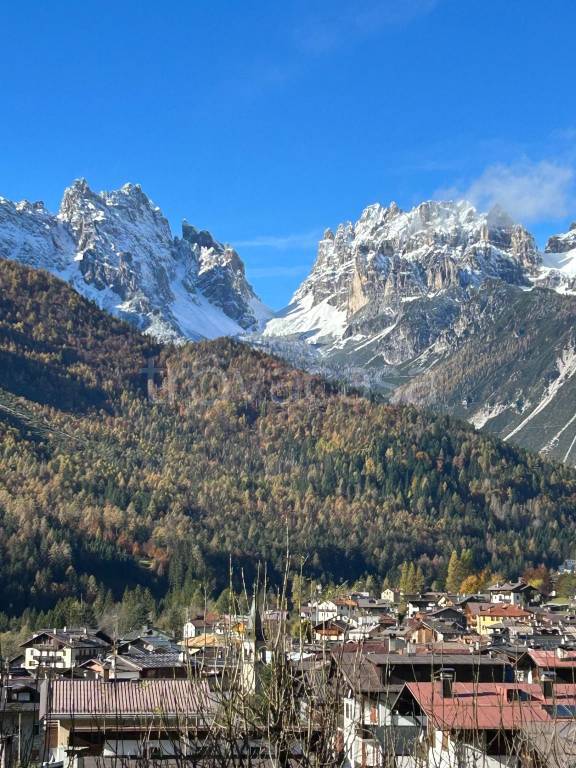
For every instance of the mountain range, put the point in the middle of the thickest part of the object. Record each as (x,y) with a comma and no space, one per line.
(449,309)
(442,306)
(117,249)
(112,475)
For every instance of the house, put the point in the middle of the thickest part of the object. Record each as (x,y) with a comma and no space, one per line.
(129,719)
(419,604)
(200,625)
(372,606)
(366,627)
(426,629)
(515,593)
(330,631)
(136,665)
(390,596)
(468,724)
(148,644)
(490,616)
(450,614)
(20,739)
(371,685)
(63,649)
(538,664)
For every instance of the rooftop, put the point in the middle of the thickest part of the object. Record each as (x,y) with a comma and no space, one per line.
(491,706)
(80,698)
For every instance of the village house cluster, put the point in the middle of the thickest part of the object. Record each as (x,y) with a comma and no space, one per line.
(411,680)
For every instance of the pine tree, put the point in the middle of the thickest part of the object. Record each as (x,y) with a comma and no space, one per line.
(419,581)
(404,585)
(454,576)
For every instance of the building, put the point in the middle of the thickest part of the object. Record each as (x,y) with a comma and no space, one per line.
(493,615)
(63,649)
(20,739)
(135,666)
(150,719)
(514,593)
(481,724)
(372,685)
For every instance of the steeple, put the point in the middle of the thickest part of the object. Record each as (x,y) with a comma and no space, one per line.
(254,641)
(254,629)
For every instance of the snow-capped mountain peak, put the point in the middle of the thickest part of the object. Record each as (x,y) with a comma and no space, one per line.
(366,272)
(117,248)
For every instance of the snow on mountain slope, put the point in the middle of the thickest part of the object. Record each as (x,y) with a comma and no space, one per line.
(443,306)
(508,366)
(117,249)
(392,279)
(558,270)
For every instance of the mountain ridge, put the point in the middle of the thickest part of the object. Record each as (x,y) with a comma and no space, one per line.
(391,302)
(117,248)
(109,479)
(396,297)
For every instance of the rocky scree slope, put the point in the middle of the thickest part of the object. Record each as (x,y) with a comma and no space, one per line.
(421,304)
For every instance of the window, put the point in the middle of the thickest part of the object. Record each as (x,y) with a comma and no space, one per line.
(561,710)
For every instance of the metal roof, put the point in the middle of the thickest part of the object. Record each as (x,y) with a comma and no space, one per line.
(484,706)
(78,698)
(550,660)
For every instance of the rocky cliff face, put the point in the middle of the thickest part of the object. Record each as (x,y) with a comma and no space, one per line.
(558,269)
(117,249)
(508,365)
(440,306)
(373,277)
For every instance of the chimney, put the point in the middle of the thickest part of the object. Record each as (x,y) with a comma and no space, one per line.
(562,652)
(446,677)
(548,679)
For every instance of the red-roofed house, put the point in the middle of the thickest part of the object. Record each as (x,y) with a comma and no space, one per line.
(481,723)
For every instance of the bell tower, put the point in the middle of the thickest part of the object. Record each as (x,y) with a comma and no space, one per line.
(252,650)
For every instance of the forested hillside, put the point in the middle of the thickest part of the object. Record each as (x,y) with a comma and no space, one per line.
(513,370)
(105,482)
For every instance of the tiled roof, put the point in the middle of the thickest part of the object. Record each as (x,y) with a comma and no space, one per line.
(503,610)
(74,638)
(431,658)
(128,697)
(153,660)
(484,706)
(549,659)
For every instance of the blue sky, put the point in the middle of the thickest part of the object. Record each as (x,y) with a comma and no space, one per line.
(266,122)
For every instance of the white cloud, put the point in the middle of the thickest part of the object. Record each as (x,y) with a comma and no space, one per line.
(281,242)
(528,191)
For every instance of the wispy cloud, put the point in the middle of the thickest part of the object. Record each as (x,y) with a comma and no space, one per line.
(281,242)
(345,22)
(530,191)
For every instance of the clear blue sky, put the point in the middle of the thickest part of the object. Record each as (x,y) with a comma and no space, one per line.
(266,122)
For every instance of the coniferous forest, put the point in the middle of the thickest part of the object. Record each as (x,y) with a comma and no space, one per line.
(124,465)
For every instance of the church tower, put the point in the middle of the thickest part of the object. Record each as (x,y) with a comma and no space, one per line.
(253,647)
